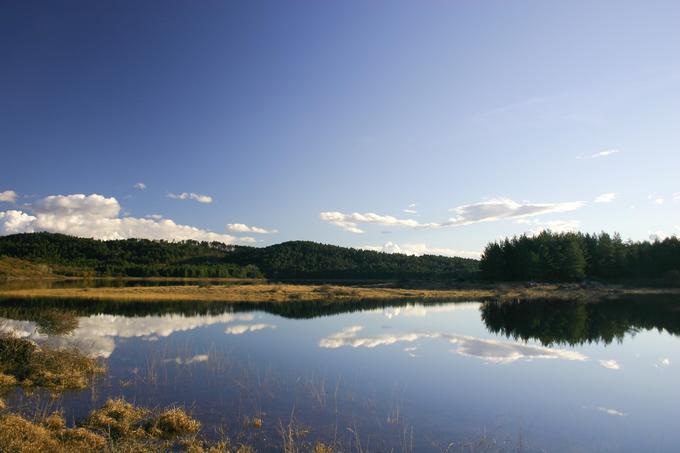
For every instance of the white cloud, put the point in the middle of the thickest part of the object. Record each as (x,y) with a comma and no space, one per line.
(191,196)
(13,221)
(656,199)
(610,364)
(605,197)
(153,216)
(505,208)
(605,153)
(663,363)
(98,217)
(657,236)
(96,334)
(484,211)
(78,205)
(140,186)
(420,311)
(676,196)
(240,329)
(411,209)
(8,196)
(555,226)
(610,411)
(350,222)
(420,249)
(243,228)
(198,358)
(488,350)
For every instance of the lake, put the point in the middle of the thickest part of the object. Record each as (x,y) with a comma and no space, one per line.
(474,376)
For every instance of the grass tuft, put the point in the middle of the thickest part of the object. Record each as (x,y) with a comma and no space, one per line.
(23,362)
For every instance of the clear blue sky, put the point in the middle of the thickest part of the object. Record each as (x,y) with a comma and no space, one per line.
(491,118)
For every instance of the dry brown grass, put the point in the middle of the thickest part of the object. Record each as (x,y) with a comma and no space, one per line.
(15,268)
(23,362)
(266,292)
(20,435)
(116,427)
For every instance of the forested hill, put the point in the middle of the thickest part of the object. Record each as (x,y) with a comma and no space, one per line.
(297,259)
(69,255)
(304,259)
(577,256)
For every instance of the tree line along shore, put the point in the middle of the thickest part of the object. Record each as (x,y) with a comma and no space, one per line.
(546,257)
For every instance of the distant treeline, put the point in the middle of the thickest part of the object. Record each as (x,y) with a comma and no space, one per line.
(70,255)
(577,256)
(304,259)
(544,257)
(289,260)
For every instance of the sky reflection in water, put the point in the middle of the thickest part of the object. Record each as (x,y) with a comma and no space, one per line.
(578,377)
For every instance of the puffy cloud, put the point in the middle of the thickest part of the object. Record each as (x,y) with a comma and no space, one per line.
(97,217)
(676,196)
(610,364)
(240,329)
(191,196)
(140,186)
(420,249)
(13,221)
(605,197)
(505,208)
(243,228)
(78,205)
(8,196)
(488,350)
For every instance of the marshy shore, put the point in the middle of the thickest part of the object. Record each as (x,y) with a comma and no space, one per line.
(282,292)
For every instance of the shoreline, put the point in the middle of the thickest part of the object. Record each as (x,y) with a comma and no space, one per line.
(284,292)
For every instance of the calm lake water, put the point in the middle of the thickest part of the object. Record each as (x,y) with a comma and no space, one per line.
(521,376)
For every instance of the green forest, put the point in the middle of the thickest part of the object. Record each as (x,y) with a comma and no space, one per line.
(546,257)
(70,255)
(576,256)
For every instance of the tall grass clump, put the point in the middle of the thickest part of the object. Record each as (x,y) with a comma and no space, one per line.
(25,363)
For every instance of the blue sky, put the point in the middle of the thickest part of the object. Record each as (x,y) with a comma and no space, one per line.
(427,126)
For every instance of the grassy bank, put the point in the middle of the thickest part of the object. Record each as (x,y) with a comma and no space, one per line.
(18,269)
(265,292)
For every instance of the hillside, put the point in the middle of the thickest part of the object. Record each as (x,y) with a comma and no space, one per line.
(70,255)
(305,259)
(15,268)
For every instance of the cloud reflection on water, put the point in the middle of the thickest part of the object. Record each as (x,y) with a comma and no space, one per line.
(489,350)
(95,335)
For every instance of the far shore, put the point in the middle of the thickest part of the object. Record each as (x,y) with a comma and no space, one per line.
(257,291)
